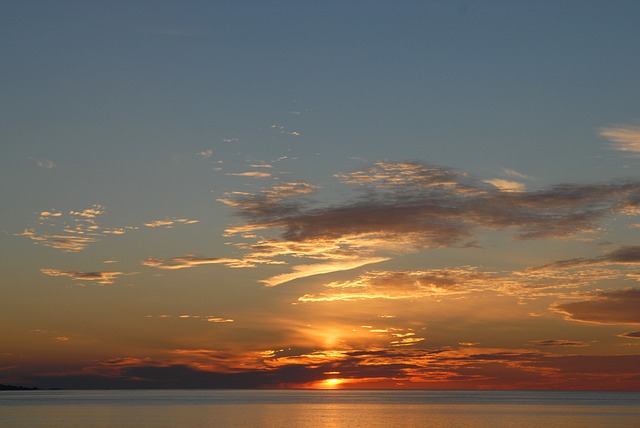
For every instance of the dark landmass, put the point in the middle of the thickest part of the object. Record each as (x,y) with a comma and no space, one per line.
(16,388)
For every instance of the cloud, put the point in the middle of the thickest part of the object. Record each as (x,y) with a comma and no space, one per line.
(251,204)
(410,206)
(170,222)
(626,255)
(624,138)
(630,335)
(283,130)
(103,278)
(47,214)
(206,154)
(44,163)
(506,185)
(90,213)
(186,262)
(254,174)
(559,342)
(513,173)
(303,271)
(70,243)
(605,307)
(207,318)
(402,285)
(73,233)
(435,283)
(462,368)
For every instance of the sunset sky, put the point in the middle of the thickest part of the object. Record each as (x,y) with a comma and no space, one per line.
(320,194)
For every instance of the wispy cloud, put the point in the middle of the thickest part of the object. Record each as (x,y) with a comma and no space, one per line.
(283,130)
(560,342)
(626,255)
(44,163)
(513,173)
(206,154)
(302,271)
(402,285)
(72,233)
(170,222)
(624,138)
(437,283)
(103,278)
(207,318)
(186,262)
(254,174)
(630,335)
(506,185)
(71,243)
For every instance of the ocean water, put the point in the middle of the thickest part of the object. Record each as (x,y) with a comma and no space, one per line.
(318,408)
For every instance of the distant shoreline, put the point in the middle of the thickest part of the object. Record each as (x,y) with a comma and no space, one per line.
(17,388)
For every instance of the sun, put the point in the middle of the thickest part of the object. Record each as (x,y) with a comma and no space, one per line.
(331,383)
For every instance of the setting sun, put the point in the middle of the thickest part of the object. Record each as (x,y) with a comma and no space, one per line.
(331,383)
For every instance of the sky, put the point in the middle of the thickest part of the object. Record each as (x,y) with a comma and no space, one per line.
(320,194)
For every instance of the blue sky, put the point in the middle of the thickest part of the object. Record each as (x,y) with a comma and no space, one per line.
(184,179)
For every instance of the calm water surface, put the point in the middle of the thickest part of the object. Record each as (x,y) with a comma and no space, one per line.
(325,408)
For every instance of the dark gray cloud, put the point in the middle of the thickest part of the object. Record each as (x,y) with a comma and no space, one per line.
(186,262)
(560,342)
(631,335)
(102,278)
(605,307)
(464,368)
(415,205)
(627,255)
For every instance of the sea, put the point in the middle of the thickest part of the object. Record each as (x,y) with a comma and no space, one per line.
(318,408)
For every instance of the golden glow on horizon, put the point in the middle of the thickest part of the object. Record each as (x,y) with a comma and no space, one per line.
(331,383)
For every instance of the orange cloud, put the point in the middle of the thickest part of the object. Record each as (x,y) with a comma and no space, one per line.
(402,285)
(302,271)
(406,367)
